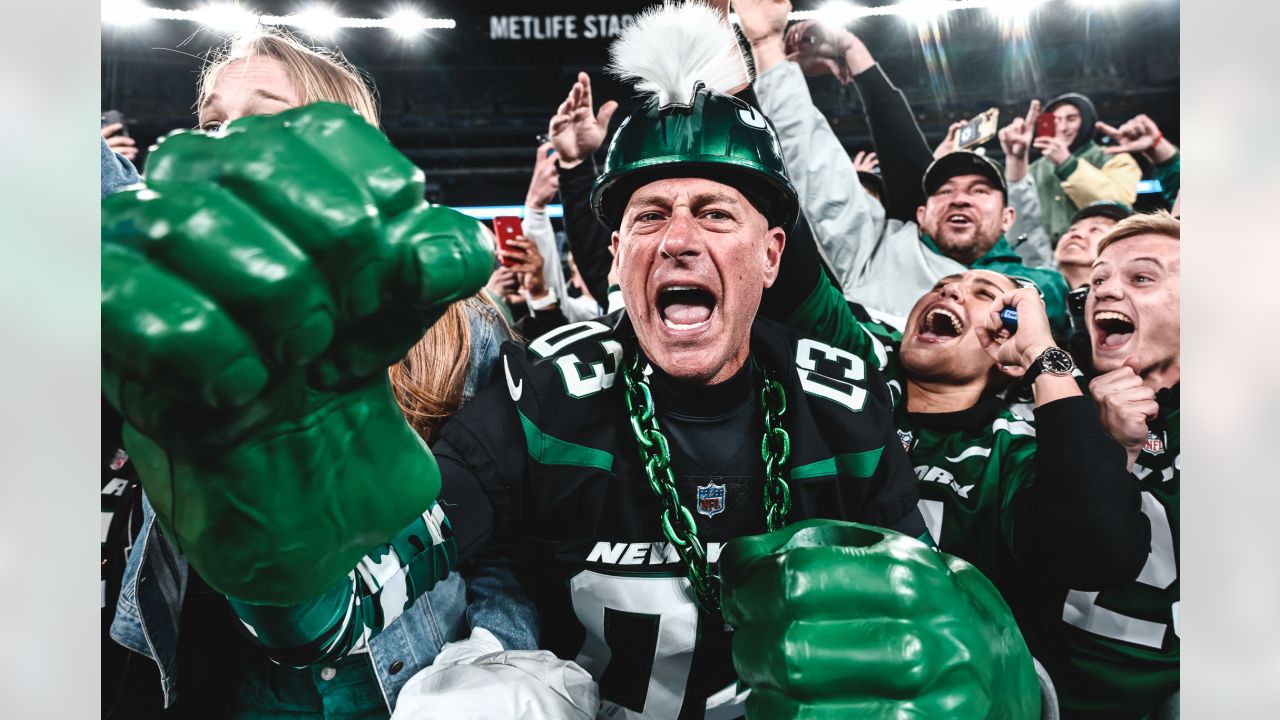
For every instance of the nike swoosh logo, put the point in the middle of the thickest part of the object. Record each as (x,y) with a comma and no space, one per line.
(516,388)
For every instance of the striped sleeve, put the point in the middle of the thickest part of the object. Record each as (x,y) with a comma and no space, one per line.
(385,583)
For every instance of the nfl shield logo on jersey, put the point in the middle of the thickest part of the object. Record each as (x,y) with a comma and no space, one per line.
(1155,443)
(905,437)
(711,499)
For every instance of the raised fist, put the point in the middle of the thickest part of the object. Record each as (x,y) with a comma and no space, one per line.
(253,295)
(836,619)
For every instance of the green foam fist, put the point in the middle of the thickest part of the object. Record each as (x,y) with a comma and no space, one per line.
(253,295)
(840,620)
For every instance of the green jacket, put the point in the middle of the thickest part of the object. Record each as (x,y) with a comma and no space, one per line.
(1089,175)
(1169,173)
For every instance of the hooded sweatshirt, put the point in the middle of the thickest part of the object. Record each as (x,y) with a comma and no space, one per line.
(1088,175)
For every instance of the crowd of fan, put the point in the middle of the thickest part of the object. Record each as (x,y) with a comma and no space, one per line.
(923,243)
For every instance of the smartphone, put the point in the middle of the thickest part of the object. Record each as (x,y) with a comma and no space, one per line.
(980,129)
(115,116)
(1046,125)
(506,227)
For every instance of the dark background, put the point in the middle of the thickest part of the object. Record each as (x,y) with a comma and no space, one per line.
(467,109)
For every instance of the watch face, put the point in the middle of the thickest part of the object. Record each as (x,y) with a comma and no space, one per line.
(1057,361)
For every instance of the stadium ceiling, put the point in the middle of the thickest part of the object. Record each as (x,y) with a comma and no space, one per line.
(408,20)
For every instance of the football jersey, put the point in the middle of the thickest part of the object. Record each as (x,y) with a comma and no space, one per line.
(1115,653)
(563,477)
(973,465)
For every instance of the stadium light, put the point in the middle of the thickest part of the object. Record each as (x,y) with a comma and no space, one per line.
(226,17)
(922,12)
(316,20)
(1012,10)
(124,13)
(406,23)
(839,12)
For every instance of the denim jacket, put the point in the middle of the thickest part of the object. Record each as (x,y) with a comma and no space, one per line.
(149,609)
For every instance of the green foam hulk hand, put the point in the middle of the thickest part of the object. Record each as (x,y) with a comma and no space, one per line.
(840,620)
(253,295)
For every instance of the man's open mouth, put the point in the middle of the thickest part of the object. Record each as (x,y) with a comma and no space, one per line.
(959,220)
(684,307)
(940,324)
(1114,328)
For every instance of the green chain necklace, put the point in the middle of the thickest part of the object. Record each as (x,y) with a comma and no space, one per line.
(677,522)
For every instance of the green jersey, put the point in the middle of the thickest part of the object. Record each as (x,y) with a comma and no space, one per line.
(1115,653)
(1112,653)
(972,465)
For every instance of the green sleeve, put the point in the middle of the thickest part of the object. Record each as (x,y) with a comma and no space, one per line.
(825,315)
(1169,173)
(345,617)
(1018,474)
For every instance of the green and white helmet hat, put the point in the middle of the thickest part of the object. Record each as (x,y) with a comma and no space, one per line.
(685,58)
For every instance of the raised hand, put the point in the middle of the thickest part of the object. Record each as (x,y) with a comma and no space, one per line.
(1125,405)
(948,144)
(253,295)
(545,182)
(527,263)
(819,49)
(1138,134)
(1053,148)
(576,130)
(837,619)
(865,161)
(1015,138)
(123,145)
(1015,352)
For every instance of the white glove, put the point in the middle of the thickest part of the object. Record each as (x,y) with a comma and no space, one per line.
(476,678)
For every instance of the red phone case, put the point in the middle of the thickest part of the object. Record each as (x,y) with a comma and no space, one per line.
(506,227)
(1046,125)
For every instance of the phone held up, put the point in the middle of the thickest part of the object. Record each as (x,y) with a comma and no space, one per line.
(1046,125)
(979,130)
(115,116)
(506,228)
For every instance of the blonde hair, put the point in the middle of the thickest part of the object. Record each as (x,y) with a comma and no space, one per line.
(428,383)
(317,73)
(1156,223)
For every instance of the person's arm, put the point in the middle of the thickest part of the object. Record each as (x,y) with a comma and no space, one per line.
(1078,520)
(588,238)
(1015,140)
(269,442)
(117,171)
(1037,249)
(822,49)
(1141,134)
(1116,181)
(845,220)
(537,227)
(360,606)
(577,130)
(479,477)
(904,154)
(1083,526)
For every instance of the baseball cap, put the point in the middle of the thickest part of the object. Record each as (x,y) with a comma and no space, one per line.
(1102,208)
(962,162)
